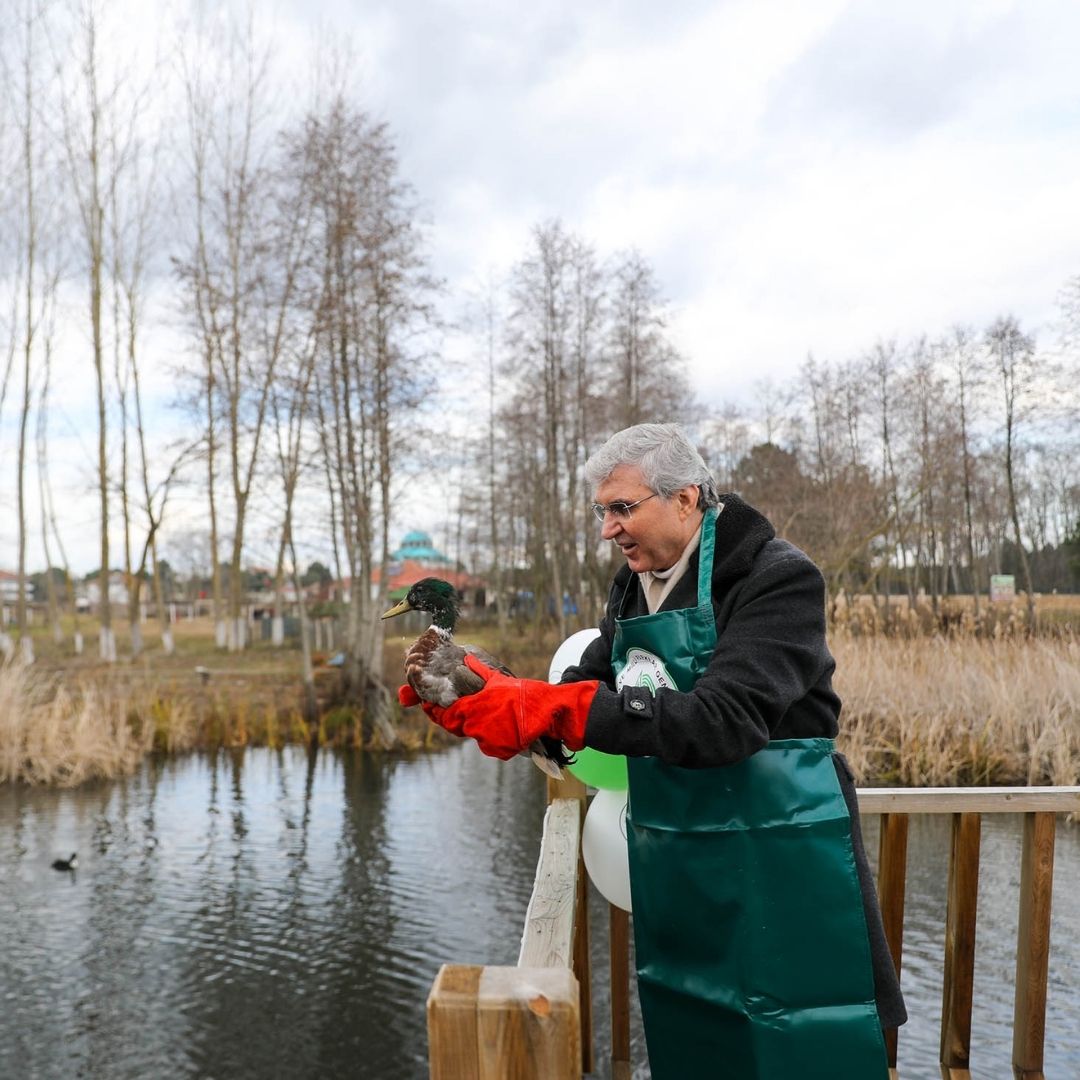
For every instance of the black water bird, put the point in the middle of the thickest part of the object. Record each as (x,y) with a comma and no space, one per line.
(435,664)
(66,864)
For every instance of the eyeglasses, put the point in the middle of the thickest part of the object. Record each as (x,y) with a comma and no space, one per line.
(619,510)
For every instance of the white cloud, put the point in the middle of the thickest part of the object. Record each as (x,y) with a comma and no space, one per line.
(803,176)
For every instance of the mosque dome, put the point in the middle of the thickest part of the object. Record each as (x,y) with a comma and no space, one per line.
(417,545)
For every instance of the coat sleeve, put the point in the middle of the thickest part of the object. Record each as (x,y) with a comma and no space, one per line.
(595,661)
(770,653)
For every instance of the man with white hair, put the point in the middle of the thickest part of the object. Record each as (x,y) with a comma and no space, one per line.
(759,945)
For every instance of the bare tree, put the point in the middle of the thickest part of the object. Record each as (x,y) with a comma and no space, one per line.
(205,302)
(884,363)
(290,401)
(86,107)
(1013,355)
(31,314)
(367,289)
(962,348)
(241,270)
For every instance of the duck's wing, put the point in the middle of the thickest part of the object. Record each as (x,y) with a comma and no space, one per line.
(436,670)
(486,658)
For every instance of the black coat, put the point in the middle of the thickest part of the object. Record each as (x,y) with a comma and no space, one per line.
(770,677)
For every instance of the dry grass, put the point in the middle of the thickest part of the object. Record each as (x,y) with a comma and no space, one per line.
(52,735)
(956,711)
(955,617)
(70,719)
(927,701)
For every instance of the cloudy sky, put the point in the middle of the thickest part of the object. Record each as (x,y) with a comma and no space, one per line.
(803,176)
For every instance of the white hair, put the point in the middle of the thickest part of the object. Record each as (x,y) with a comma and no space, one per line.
(666,457)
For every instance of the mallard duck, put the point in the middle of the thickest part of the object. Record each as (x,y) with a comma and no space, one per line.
(435,664)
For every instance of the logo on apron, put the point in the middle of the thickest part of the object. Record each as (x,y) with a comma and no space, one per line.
(644,668)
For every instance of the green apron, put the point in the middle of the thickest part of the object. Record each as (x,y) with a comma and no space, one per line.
(753,959)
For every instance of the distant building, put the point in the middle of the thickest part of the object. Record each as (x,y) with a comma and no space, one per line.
(418,548)
(417,558)
(9,587)
(118,593)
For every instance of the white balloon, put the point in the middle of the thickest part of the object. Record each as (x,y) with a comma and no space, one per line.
(603,846)
(603,839)
(569,652)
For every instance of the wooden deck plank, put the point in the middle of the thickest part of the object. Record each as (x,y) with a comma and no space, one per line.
(975,800)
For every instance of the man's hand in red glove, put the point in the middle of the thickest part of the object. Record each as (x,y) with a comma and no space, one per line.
(509,714)
(408,697)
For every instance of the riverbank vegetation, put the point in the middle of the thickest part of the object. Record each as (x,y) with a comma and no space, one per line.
(924,705)
(959,711)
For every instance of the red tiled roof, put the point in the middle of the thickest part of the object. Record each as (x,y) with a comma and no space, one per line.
(409,572)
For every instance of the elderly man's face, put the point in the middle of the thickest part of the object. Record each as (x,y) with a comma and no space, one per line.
(656,532)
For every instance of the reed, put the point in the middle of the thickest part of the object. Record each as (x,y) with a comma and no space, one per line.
(64,727)
(956,711)
(50,734)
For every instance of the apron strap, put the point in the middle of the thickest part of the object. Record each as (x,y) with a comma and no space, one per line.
(706,547)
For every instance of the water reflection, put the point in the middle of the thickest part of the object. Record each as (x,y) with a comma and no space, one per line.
(283,914)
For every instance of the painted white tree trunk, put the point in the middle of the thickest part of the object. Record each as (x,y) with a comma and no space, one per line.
(107,646)
(277,631)
(220,634)
(78,642)
(167,643)
(27,644)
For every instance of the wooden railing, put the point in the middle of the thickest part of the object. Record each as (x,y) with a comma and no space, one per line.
(534,1021)
(1039,807)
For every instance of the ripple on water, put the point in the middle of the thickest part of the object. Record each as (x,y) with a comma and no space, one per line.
(269,914)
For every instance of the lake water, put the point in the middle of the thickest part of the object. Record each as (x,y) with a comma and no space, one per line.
(273,914)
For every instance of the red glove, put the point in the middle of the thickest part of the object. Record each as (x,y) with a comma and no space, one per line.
(409,697)
(510,714)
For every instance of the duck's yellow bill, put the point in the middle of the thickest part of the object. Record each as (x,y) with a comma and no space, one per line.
(397,609)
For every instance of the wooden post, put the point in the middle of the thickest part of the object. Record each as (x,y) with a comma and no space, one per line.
(583,966)
(620,993)
(1033,945)
(570,787)
(500,1023)
(959,973)
(453,1046)
(892,876)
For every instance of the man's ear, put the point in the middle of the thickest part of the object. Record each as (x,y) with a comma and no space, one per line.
(687,499)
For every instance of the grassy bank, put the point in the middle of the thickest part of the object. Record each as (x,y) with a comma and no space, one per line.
(920,708)
(68,719)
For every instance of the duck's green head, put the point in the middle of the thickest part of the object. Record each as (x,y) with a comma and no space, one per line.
(433,595)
